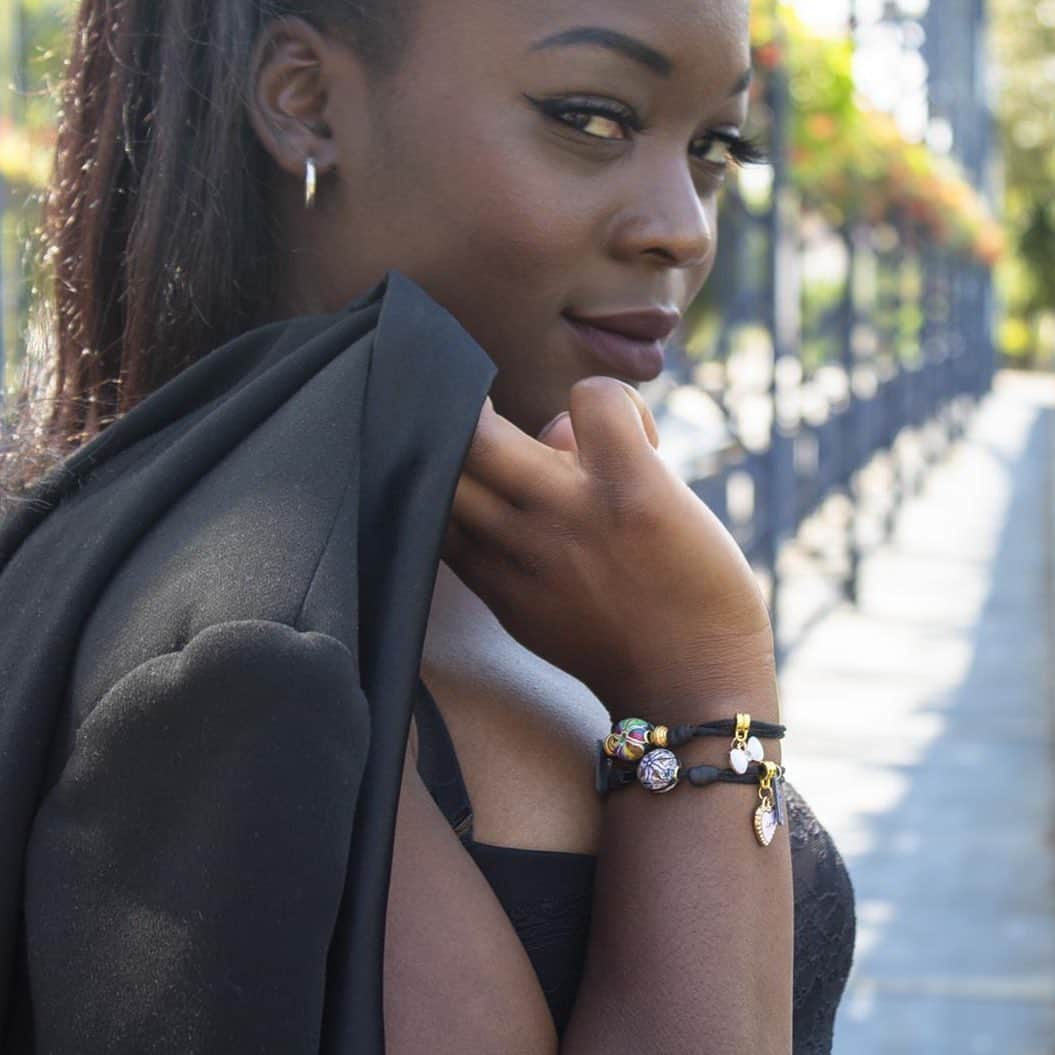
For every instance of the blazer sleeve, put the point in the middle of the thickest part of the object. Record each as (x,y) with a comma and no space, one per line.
(185,872)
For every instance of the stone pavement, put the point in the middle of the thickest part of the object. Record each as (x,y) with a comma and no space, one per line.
(921,732)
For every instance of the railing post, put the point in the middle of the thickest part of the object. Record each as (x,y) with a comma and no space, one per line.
(780,289)
(851,425)
(891,304)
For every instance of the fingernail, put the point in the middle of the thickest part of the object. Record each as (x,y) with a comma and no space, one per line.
(546,428)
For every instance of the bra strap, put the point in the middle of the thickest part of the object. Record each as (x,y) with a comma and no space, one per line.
(438,765)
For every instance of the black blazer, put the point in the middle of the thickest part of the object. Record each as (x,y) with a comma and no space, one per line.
(212,623)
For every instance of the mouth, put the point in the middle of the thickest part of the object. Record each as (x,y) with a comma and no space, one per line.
(630,344)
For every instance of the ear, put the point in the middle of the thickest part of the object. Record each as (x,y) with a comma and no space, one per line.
(288,94)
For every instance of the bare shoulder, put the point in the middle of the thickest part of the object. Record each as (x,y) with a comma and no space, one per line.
(456,976)
(524,732)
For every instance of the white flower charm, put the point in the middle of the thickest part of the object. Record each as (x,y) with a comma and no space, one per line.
(740,757)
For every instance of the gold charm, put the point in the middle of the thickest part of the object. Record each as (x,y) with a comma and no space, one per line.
(745,748)
(765,823)
(766,819)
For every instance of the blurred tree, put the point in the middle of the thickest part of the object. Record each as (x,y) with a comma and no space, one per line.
(33,42)
(1024,32)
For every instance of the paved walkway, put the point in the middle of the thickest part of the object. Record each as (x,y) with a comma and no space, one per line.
(921,731)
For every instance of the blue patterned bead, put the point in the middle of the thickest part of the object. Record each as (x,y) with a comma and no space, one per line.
(658,770)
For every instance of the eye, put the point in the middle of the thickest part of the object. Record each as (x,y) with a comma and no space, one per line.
(714,151)
(595,124)
(724,150)
(604,119)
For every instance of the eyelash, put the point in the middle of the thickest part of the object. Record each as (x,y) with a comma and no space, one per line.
(741,150)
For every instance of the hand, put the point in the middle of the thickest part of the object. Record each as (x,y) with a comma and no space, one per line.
(599,559)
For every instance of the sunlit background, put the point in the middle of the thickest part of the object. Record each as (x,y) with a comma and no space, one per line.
(862,394)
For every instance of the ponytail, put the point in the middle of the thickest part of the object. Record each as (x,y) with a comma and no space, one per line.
(154,222)
(158,236)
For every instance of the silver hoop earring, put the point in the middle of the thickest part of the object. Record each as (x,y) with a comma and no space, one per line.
(311,181)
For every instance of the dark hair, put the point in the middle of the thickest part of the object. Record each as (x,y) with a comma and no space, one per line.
(154,225)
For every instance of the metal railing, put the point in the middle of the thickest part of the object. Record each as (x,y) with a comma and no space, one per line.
(900,343)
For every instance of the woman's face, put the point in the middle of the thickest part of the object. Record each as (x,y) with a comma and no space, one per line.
(533,164)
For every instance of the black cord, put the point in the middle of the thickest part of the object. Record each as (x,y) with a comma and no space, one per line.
(682,734)
(701,776)
(609,778)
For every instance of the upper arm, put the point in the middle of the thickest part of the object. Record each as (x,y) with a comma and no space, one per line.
(184,873)
(457,978)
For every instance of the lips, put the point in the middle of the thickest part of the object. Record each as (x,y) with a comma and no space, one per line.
(630,343)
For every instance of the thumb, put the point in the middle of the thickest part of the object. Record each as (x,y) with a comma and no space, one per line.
(612,423)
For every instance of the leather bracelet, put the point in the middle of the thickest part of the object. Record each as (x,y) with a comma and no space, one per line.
(660,772)
(609,778)
(682,734)
(630,738)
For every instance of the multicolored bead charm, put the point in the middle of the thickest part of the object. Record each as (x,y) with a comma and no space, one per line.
(628,740)
(658,770)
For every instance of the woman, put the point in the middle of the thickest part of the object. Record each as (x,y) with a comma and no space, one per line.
(211,700)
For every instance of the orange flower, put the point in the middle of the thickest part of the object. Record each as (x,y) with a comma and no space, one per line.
(769,56)
(822,126)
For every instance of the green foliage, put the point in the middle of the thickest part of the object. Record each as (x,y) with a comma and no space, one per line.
(34,36)
(1024,37)
(851,162)
(33,42)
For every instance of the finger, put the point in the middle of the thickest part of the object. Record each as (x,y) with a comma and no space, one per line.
(510,462)
(468,560)
(459,548)
(502,535)
(612,423)
(559,434)
(488,572)
(647,420)
(479,512)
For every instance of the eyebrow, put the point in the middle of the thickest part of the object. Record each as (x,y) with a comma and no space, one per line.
(638,50)
(597,36)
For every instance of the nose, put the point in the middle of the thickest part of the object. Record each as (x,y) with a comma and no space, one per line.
(666,221)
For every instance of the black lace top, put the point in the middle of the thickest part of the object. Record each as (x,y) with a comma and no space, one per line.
(547,896)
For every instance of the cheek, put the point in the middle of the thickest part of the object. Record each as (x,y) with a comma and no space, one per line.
(495,196)
(518,218)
